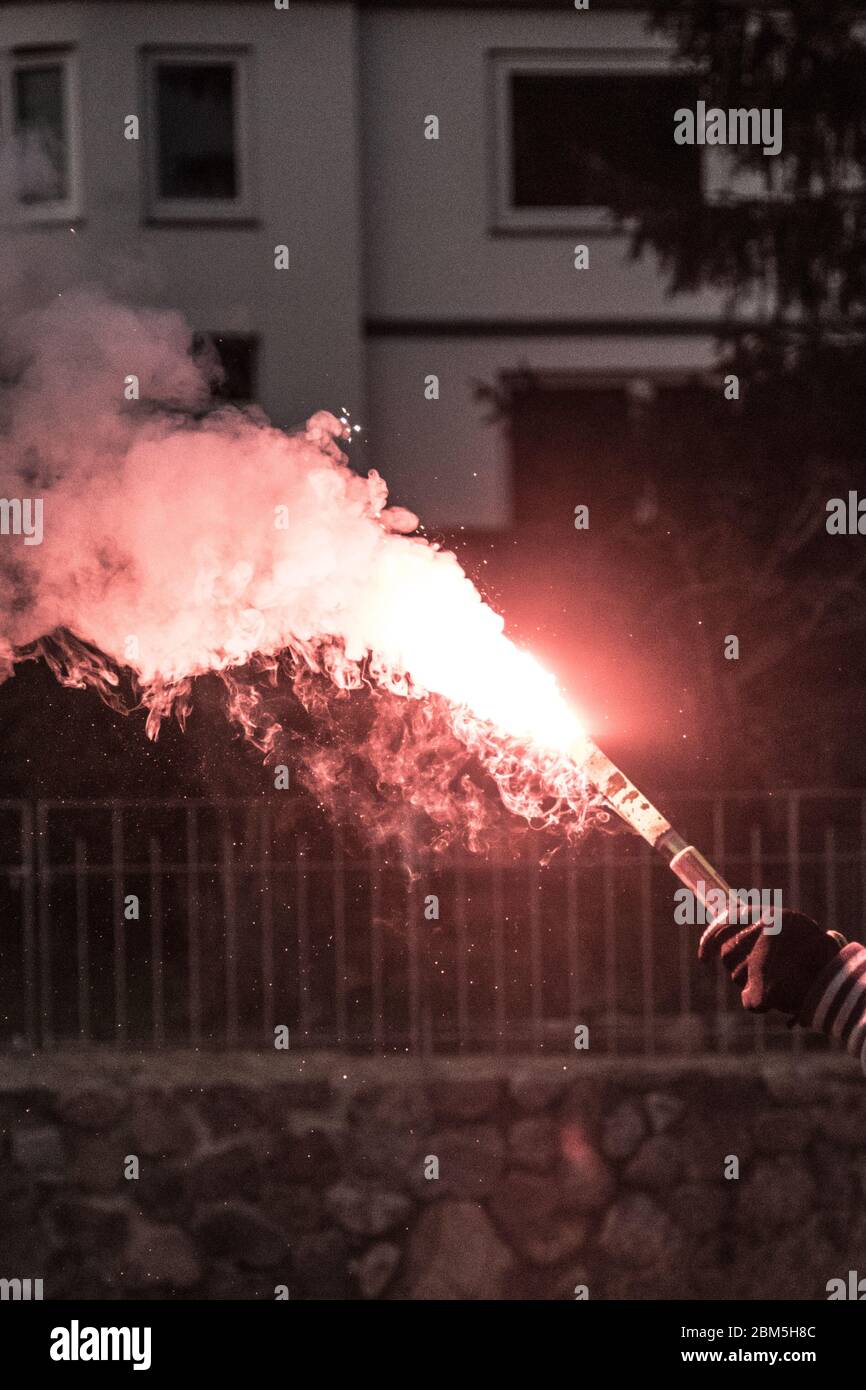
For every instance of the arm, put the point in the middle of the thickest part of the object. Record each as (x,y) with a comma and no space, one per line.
(836,1002)
(796,968)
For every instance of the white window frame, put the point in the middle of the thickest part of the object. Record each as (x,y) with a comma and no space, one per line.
(504,63)
(68,209)
(235,209)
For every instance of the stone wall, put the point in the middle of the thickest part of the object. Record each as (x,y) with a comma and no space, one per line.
(315,1177)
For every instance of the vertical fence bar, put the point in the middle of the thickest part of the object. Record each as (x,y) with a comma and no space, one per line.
(756,861)
(499,986)
(376,956)
(572,945)
(428,1005)
(266,896)
(794,871)
(459,882)
(646,942)
(609,928)
(722,1033)
(82,940)
(686,954)
(231,927)
(412,947)
(28,891)
(192,924)
(119,937)
(340,963)
(793,839)
(536,961)
(302,863)
(831,900)
(250,919)
(156,943)
(45,882)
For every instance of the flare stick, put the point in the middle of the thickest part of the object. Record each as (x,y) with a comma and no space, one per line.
(689,865)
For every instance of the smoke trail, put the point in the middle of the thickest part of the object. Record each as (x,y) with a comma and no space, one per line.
(397,770)
(177,542)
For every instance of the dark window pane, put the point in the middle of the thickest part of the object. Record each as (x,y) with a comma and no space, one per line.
(195,111)
(235,354)
(41,136)
(586,438)
(577,137)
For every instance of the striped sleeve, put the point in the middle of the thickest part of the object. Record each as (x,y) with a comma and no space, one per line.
(836,1003)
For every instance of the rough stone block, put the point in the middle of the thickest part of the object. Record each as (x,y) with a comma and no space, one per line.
(533,1143)
(38,1150)
(363,1210)
(657,1164)
(623,1130)
(375,1269)
(471,1159)
(96,1107)
(237,1232)
(464,1099)
(161,1257)
(455,1253)
(637,1232)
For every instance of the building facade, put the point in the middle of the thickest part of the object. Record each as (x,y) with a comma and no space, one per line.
(431,172)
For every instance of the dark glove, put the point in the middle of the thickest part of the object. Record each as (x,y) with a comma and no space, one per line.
(773,970)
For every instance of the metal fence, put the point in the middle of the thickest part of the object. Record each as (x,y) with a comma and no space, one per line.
(206,924)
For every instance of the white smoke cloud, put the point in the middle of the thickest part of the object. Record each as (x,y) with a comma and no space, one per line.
(177,542)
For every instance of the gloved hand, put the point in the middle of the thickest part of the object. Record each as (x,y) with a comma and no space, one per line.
(776,969)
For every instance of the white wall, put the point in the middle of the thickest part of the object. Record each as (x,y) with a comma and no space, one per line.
(440,457)
(428,249)
(305,147)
